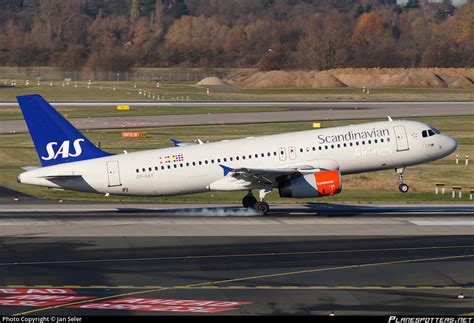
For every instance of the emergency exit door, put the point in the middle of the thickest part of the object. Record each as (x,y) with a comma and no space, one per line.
(113,173)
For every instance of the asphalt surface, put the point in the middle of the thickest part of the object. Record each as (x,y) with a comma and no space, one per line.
(258,275)
(32,219)
(298,111)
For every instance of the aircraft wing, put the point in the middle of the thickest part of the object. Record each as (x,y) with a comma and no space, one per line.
(254,178)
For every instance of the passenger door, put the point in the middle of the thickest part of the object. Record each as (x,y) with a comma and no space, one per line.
(113,173)
(401,138)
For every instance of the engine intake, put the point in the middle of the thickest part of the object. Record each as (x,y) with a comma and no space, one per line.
(318,184)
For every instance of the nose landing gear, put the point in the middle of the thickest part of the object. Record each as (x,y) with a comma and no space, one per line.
(402,187)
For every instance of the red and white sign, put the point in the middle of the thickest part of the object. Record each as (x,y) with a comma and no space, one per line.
(53,298)
(16,302)
(176,302)
(53,291)
(156,308)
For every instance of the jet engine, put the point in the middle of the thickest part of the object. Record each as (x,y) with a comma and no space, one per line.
(318,184)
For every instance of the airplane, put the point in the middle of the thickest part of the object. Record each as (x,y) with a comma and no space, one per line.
(302,164)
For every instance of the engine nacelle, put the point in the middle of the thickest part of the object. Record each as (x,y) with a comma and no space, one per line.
(323,183)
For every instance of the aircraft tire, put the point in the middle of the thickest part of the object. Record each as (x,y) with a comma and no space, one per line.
(403,188)
(249,201)
(262,208)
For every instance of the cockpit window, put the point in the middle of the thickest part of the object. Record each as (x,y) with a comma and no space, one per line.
(428,133)
(435,130)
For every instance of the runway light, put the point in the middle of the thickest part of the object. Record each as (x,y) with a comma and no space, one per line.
(332,314)
(60,201)
(16,199)
(461,296)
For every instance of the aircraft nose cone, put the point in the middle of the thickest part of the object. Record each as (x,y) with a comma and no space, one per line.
(451,144)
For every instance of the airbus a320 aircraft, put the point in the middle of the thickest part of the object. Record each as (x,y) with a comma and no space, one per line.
(301,164)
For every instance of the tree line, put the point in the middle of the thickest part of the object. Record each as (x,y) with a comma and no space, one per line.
(116,35)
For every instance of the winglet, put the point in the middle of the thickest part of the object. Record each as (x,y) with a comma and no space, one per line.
(226,169)
(176,143)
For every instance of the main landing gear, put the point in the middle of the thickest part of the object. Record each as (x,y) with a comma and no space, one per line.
(402,187)
(260,206)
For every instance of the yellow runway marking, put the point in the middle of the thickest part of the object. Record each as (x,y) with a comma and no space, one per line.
(225,281)
(244,287)
(64,262)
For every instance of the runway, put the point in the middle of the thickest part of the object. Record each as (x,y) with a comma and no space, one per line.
(166,259)
(25,219)
(236,275)
(298,111)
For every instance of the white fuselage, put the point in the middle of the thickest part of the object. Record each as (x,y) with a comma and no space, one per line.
(194,168)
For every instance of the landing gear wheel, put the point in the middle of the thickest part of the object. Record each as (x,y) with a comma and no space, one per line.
(249,201)
(262,208)
(403,188)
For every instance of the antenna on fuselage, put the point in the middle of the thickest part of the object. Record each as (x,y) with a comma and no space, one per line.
(389,119)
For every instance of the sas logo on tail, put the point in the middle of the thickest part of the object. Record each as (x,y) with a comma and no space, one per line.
(63,150)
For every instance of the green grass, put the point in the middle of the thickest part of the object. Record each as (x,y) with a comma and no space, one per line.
(377,187)
(127,91)
(14,113)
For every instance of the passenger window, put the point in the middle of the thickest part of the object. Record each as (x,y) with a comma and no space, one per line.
(206,162)
(138,170)
(369,142)
(200,162)
(320,148)
(175,165)
(169,166)
(338,145)
(143,169)
(156,167)
(162,167)
(381,140)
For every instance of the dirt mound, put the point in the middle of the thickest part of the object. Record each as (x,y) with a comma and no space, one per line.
(360,77)
(326,79)
(211,81)
(288,79)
